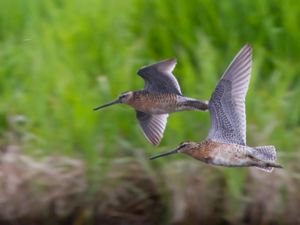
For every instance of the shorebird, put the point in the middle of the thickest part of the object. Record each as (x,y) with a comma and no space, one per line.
(161,95)
(225,144)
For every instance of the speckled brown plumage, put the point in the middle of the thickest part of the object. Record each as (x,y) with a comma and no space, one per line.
(156,103)
(161,95)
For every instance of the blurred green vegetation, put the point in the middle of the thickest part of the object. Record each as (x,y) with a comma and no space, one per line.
(59,59)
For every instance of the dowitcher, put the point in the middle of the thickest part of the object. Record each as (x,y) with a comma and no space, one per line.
(225,144)
(161,95)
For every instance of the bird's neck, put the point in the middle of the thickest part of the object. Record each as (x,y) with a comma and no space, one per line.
(200,151)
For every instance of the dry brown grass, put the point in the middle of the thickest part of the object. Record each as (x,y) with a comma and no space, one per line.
(200,194)
(272,198)
(54,190)
(129,195)
(30,188)
(195,192)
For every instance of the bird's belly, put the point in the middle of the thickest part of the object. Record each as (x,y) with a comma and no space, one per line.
(155,107)
(229,160)
(229,155)
(161,109)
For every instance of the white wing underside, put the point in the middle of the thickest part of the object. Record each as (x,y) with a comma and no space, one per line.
(153,126)
(227,103)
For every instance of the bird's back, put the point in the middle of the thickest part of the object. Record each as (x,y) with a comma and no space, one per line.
(154,103)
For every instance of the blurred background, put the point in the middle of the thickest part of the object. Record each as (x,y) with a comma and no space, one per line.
(63,163)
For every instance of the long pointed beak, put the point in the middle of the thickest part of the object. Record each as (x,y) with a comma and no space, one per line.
(165,154)
(108,104)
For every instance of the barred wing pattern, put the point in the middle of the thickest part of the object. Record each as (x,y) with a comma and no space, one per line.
(227,103)
(158,77)
(153,125)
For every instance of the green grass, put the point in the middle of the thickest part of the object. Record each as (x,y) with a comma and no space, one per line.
(59,59)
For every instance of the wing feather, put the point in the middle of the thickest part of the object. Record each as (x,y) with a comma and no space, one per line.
(153,125)
(158,77)
(227,103)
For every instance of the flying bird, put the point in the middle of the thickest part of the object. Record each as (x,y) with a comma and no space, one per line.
(161,95)
(225,144)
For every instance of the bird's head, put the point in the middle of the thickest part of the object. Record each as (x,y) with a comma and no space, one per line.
(184,147)
(123,98)
(187,146)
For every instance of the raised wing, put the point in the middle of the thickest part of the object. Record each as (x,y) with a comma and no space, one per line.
(227,103)
(158,77)
(153,125)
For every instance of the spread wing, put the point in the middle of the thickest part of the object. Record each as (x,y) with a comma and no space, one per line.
(153,125)
(227,103)
(158,77)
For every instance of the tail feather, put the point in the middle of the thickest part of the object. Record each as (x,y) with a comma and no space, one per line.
(266,169)
(197,105)
(267,154)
